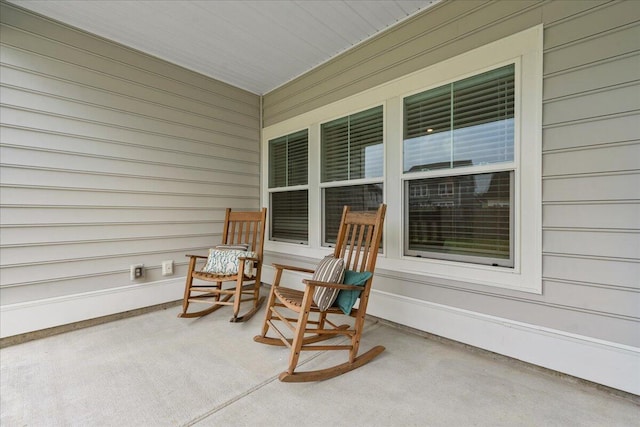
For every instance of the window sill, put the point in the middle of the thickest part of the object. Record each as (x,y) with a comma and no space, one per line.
(477,274)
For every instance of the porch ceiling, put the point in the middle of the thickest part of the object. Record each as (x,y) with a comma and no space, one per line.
(256,45)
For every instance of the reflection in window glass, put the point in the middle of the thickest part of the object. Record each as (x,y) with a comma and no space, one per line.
(359,197)
(463,215)
(352,146)
(465,123)
(352,149)
(290,216)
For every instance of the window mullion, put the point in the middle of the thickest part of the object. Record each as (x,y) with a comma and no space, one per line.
(451,125)
(349,147)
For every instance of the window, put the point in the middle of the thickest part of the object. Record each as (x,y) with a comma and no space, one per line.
(351,166)
(288,178)
(459,144)
(453,149)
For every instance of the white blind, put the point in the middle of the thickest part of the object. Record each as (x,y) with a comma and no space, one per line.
(288,166)
(352,146)
(365,197)
(465,123)
(290,216)
(462,215)
(288,160)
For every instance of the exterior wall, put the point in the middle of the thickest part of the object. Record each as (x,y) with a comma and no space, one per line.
(590,190)
(109,157)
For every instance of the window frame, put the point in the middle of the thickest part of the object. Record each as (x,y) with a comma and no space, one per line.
(349,182)
(452,172)
(284,189)
(525,48)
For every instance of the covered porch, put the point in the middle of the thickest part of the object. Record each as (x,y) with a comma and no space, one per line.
(154,369)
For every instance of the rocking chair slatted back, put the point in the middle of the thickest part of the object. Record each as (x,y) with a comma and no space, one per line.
(356,243)
(244,228)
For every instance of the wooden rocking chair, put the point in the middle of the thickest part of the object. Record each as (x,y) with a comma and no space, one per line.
(357,246)
(242,231)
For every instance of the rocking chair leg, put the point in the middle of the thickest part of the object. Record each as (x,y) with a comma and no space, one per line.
(256,290)
(321,319)
(270,302)
(238,297)
(218,286)
(187,289)
(187,286)
(298,340)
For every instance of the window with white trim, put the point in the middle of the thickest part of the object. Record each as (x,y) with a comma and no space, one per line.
(453,149)
(458,145)
(351,166)
(288,189)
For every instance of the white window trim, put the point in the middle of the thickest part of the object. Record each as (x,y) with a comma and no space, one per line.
(524,48)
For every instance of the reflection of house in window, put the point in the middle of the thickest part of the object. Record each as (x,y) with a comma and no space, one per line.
(373,197)
(420,190)
(445,189)
(455,212)
(439,192)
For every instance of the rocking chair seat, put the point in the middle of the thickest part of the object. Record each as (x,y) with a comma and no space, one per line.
(203,275)
(292,299)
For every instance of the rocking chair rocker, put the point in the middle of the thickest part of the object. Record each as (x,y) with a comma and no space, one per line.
(242,244)
(356,251)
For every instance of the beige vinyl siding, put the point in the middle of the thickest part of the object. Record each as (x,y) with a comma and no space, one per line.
(590,158)
(111,157)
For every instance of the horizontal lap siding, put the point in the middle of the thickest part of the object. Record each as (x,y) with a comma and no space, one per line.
(591,152)
(111,157)
(591,168)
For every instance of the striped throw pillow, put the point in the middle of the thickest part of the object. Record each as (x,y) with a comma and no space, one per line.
(329,270)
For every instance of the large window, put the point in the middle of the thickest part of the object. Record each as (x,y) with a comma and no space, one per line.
(288,179)
(453,149)
(351,166)
(458,154)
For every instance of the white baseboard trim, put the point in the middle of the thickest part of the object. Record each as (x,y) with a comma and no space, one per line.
(36,315)
(610,364)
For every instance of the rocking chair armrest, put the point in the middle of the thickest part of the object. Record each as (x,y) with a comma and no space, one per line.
(196,256)
(249,258)
(340,286)
(292,268)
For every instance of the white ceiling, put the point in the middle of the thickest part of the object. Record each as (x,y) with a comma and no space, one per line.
(255,45)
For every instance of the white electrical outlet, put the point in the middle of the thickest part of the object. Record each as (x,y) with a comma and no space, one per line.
(167,268)
(136,271)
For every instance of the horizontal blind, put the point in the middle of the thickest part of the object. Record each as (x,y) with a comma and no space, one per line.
(278,162)
(464,215)
(335,150)
(290,216)
(352,146)
(288,160)
(465,123)
(359,197)
(365,144)
(288,166)
(297,154)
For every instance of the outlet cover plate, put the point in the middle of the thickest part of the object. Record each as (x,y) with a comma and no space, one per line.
(167,268)
(136,271)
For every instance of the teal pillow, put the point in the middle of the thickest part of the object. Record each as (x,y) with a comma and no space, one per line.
(346,299)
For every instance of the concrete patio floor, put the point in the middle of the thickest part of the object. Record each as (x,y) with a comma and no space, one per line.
(158,370)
